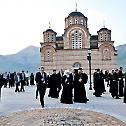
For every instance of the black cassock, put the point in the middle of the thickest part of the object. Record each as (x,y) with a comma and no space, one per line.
(79,88)
(53,84)
(67,83)
(98,84)
(121,84)
(114,85)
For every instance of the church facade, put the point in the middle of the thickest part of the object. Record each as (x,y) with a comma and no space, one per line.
(71,49)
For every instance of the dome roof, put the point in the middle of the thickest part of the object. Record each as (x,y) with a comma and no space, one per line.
(49,30)
(104,29)
(75,13)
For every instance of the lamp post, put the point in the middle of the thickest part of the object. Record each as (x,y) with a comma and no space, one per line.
(89,59)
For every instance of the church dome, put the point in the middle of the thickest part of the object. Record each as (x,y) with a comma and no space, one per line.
(49,30)
(75,13)
(102,29)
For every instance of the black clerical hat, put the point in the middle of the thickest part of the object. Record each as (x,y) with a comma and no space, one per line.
(80,68)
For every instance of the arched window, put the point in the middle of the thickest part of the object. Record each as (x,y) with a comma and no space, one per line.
(76,21)
(82,22)
(48,37)
(70,21)
(76,40)
(101,39)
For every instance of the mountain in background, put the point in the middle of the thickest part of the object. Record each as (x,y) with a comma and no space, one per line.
(26,59)
(29,59)
(121,58)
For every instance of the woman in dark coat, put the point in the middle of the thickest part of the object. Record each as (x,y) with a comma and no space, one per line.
(67,83)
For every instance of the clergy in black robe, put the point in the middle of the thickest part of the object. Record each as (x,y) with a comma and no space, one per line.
(53,84)
(67,83)
(41,80)
(97,83)
(114,88)
(121,83)
(80,79)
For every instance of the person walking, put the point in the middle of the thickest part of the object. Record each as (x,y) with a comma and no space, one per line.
(5,80)
(125,89)
(97,83)
(22,79)
(27,78)
(53,84)
(115,87)
(67,83)
(80,79)
(1,83)
(121,82)
(17,81)
(41,80)
(32,79)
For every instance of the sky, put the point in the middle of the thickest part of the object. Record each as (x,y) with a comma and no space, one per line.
(22,22)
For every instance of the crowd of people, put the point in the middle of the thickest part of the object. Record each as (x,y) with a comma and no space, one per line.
(67,81)
(17,80)
(114,79)
(71,84)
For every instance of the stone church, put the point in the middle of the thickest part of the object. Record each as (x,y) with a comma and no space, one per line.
(72,48)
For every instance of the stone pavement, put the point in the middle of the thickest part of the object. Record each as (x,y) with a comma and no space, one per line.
(99,110)
(60,117)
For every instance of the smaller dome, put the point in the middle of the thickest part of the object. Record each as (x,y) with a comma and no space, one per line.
(104,29)
(75,13)
(49,30)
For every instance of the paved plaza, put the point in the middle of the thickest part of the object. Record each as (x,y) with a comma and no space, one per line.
(22,109)
(60,117)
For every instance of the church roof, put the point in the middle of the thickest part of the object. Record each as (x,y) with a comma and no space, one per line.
(102,29)
(49,30)
(75,13)
(59,38)
(94,37)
